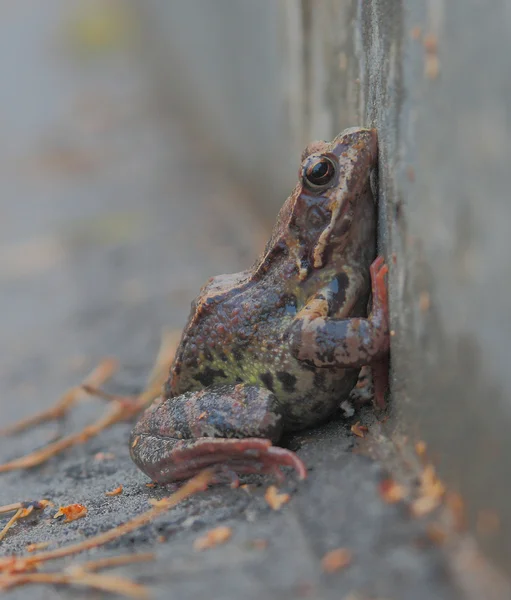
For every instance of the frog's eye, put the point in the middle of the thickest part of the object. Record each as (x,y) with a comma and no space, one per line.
(318,173)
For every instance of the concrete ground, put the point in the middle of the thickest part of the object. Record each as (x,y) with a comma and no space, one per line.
(112,218)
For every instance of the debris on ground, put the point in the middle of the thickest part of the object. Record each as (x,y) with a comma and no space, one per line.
(115,492)
(19,570)
(214,537)
(71,512)
(335,560)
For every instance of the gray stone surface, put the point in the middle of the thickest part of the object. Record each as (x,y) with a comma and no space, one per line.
(440,96)
(113,215)
(434,79)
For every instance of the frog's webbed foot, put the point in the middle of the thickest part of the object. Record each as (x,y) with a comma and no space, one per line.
(166,461)
(380,368)
(230,428)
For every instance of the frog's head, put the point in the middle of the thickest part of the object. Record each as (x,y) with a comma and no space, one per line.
(330,218)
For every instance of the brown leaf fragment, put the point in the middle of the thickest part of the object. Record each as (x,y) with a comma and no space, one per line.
(335,560)
(274,499)
(431,492)
(430,484)
(115,492)
(391,491)
(420,448)
(359,430)
(212,538)
(71,512)
(26,511)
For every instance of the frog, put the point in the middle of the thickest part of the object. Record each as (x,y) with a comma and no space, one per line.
(276,348)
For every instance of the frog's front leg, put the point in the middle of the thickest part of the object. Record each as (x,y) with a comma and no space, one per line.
(230,428)
(353,342)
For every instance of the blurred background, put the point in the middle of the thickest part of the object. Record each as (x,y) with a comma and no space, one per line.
(146,146)
(129,169)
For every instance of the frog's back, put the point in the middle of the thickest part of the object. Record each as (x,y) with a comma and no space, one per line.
(240,338)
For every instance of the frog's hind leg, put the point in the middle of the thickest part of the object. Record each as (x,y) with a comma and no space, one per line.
(228,457)
(229,428)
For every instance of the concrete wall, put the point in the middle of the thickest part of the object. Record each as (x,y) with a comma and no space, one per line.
(226,66)
(435,79)
(438,87)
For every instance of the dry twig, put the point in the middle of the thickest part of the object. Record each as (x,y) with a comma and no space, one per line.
(15,571)
(83,574)
(97,377)
(23,509)
(37,504)
(16,564)
(122,407)
(16,516)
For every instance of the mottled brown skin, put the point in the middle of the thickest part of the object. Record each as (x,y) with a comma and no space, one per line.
(279,346)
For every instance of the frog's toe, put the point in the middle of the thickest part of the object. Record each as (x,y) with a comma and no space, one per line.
(165,461)
(281,457)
